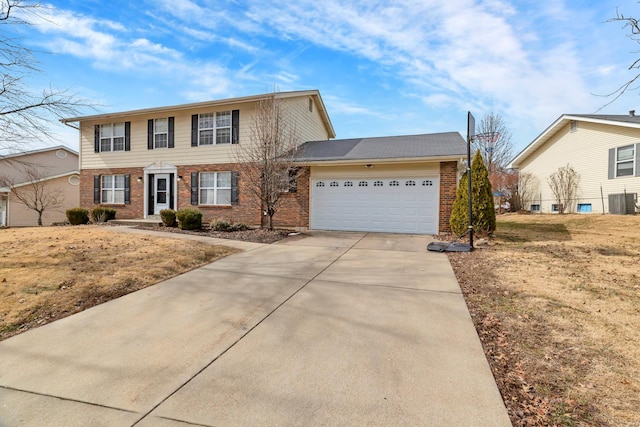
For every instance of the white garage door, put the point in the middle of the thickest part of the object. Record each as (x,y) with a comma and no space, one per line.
(394,205)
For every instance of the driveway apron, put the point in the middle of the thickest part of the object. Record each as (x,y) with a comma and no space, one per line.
(326,329)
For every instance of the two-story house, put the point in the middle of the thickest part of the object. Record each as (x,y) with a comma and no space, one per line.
(603,149)
(143,161)
(48,176)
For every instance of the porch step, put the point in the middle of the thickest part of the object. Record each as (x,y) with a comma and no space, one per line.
(136,222)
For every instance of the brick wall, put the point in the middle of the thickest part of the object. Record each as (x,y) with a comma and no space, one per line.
(293,210)
(448,187)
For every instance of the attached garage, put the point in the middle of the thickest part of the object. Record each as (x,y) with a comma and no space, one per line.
(395,205)
(401,184)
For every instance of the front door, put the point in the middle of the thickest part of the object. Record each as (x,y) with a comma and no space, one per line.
(162,194)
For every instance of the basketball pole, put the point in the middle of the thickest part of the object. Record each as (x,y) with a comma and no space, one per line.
(471,124)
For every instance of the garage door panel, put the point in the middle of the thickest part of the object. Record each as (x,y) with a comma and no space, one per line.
(405,205)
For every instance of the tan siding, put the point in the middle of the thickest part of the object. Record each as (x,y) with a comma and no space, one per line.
(386,171)
(46,163)
(309,125)
(587,151)
(20,215)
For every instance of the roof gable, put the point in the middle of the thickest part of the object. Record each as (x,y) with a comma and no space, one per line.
(622,120)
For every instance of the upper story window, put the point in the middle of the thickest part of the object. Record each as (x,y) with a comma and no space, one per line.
(112,137)
(625,157)
(221,127)
(160,133)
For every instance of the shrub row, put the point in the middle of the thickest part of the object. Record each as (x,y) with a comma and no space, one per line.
(77,216)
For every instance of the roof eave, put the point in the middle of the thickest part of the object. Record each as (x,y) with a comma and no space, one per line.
(393,160)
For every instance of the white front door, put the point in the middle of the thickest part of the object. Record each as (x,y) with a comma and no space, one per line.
(3,211)
(162,194)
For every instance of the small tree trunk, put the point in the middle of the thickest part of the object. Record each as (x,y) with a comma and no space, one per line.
(40,218)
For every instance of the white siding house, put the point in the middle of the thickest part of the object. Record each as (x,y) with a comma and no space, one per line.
(603,149)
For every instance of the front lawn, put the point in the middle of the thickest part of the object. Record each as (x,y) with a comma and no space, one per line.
(556,302)
(47,273)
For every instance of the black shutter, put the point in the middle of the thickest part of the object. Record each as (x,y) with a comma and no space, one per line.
(194,130)
(235,126)
(194,188)
(171,178)
(127,189)
(638,159)
(150,134)
(151,204)
(96,139)
(170,136)
(234,187)
(96,189)
(612,163)
(127,136)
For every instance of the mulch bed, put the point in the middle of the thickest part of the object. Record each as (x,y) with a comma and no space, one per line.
(254,235)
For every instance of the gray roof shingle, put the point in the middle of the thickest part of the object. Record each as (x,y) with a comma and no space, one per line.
(444,144)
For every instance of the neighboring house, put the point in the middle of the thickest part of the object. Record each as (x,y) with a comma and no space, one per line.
(603,149)
(143,161)
(56,167)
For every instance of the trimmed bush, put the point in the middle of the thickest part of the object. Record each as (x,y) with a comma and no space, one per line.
(101,214)
(222,225)
(484,215)
(189,219)
(77,216)
(168,217)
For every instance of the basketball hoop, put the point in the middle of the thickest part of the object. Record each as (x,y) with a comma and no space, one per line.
(489,137)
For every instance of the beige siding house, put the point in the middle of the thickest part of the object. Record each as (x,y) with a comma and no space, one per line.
(57,171)
(140,162)
(603,149)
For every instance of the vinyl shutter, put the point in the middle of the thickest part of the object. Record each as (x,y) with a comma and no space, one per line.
(638,159)
(127,136)
(127,189)
(170,133)
(194,188)
(235,126)
(150,134)
(234,187)
(194,130)
(96,139)
(96,189)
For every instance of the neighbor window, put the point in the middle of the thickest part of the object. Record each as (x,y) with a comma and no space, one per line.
(112,137)
(584,207)
(215,188)
(555,207)
(160,133)
(624,160)
(112,189)
(535,208)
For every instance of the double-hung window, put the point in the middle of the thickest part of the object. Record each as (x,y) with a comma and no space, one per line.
(112,189)
(215,188)
(112,137)
(160,133)
(625,160)
(213,128)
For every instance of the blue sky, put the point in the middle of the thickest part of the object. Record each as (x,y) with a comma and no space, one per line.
(382,67)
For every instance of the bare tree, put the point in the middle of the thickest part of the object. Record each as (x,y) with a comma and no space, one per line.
(493,139)
(267,159)
(36,193)
(521,188)
(26,114)
(564,185)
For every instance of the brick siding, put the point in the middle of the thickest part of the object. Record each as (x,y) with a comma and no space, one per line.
(448,187)
(293,211)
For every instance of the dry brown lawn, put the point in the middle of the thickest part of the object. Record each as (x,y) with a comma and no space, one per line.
(47,273)
(556,301)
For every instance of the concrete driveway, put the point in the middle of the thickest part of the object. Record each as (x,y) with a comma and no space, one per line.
(328,329)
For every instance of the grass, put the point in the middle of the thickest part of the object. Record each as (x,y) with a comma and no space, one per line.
(556,301)
(47,273)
